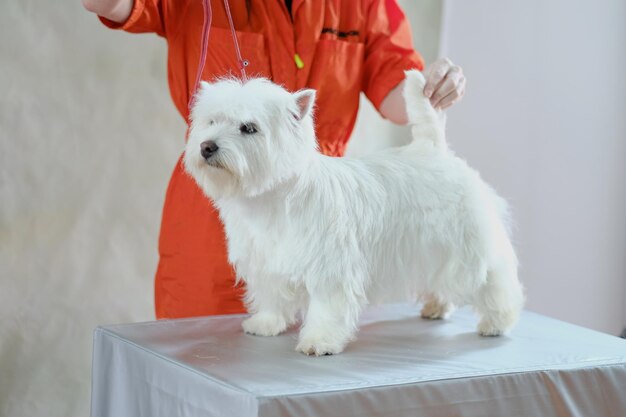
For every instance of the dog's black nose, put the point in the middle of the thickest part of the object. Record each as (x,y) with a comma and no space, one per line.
(208,148)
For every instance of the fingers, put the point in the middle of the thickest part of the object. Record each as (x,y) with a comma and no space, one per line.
(450,88)
(436,73)
(452,97)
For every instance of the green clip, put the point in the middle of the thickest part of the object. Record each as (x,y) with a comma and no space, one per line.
(299,62)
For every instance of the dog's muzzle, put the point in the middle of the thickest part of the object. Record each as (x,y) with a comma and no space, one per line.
(208,149)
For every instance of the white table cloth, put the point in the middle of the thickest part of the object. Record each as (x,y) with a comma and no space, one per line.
(400,365)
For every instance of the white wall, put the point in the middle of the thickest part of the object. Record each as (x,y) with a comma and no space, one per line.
(544,120)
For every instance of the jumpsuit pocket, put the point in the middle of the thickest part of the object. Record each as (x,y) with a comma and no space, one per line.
(339,64)
(222,58)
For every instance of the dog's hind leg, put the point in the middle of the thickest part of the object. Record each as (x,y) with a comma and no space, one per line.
(499,301)
(436,308)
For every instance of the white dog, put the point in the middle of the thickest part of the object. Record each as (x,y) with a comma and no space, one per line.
(329,235)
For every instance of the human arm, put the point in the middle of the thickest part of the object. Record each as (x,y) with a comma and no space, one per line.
(115,10)
(388,53)
(445,85)
(135,16)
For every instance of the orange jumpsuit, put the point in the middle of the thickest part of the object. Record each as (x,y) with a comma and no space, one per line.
(345,47)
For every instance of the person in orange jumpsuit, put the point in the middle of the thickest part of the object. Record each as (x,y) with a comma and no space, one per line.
(336,47)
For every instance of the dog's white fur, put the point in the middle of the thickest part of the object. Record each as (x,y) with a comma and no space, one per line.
(329,235)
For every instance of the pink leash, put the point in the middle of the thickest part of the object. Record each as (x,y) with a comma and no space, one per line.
(242,63)
(206,27)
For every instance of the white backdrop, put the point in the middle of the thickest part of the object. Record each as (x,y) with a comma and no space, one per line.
(88,138)
(544,120)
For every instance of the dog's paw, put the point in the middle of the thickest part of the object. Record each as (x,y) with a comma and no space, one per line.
(319,347)
(264,325)
(435,310)
(489,329)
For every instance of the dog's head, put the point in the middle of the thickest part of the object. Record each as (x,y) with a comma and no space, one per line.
(248,137)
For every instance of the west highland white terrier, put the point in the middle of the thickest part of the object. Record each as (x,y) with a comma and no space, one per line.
(329,235)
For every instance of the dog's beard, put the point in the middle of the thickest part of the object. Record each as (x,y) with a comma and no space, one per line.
(213,176)
(215,163)
(232,161)
(223,171)
(221,161)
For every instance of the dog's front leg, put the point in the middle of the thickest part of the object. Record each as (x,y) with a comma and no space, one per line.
(330,323)
(272,312)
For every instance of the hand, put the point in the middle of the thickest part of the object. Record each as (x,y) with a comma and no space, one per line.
(445,83)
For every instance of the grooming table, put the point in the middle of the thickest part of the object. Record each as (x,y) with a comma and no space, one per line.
(400,365)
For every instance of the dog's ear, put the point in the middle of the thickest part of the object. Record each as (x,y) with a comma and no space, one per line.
(305,100)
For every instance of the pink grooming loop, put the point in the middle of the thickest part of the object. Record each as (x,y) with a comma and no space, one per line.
(206,27)
(240,61)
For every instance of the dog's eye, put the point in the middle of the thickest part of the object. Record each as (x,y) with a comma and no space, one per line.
(211,122)
(248,128)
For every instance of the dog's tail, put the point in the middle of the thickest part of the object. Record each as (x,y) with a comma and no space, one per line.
(426,123)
